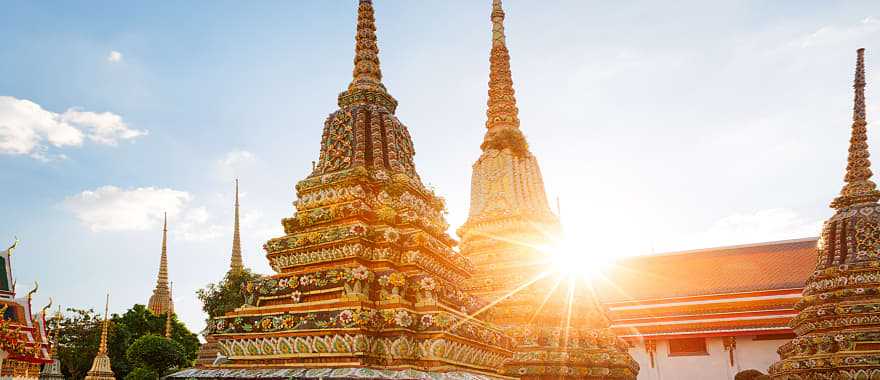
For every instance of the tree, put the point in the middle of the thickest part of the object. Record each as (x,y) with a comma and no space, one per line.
(141,373)
(225,296)
(81,331)
(158,354)
(140,321)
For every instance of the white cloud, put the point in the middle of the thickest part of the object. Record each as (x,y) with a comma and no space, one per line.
(114,56)
(760,226)
(110,208)
(102,127)
(28,129)
(827,35)
(233,162)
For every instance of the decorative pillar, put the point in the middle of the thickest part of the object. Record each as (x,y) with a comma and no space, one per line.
(651,348)
(729,346)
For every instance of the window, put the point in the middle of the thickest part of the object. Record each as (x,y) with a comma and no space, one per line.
(687,347)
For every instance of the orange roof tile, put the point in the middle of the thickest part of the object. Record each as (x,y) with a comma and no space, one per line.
(736,269)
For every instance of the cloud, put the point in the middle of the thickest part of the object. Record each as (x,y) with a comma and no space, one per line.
(233,162)
(110,208)
(114,56)
(760,226)
(828,35)
(28,129)
(102,127)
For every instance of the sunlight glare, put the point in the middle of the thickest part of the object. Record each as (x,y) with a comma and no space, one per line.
(570,258)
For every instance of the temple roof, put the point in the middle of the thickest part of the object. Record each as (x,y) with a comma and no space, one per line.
(744,268)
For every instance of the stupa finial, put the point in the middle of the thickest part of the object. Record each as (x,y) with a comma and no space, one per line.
(161,300)
(102,347)
(163,262)
(168,314)
(366,84)
(236,264)
(858,188)
(367,74)
(502,109)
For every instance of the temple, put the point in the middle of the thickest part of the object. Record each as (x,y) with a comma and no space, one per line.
(560,328)
(24,339)
(837,325)
(101,364)
(368,284)
(367,281)
(160,301)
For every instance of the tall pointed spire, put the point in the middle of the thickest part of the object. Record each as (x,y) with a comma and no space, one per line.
(160,301)
(502,111)
(837,321)
(366,84)
(101,365)
(236,265)
(858,188)
(102,347)
(168,315)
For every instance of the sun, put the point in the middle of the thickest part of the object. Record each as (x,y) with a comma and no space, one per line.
(569,258)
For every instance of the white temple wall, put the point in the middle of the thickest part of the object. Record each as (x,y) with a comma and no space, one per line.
(749,354)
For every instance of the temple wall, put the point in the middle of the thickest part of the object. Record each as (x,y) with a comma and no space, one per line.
(715,365)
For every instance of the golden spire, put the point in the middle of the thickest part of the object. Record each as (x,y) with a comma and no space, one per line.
(366,84)
(102,347)
(168,316)
(101,369)
(858,188)
(366,74)
(502,110)
(236,265)
(161,299)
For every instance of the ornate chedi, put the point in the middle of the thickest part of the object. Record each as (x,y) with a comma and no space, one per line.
(838,321)
(101,365)
(160,301)
(560,329)
(24,342)
(367,282)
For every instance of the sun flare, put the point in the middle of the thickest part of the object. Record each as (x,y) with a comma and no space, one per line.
(570,258)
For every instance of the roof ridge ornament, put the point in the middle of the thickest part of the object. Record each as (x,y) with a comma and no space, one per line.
(858,188)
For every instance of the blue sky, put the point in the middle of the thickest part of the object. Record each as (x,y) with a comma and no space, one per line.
(661,126)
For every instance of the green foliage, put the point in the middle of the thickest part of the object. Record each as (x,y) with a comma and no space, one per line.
(226,295)
(157,354)
(141,373)
(81,332)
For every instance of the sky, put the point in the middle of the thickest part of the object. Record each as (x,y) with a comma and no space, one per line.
(660,126)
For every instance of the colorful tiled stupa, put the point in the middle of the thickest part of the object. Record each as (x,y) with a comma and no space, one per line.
(561,330)
(838,321)
(24,342)
(367,282)
(160,302)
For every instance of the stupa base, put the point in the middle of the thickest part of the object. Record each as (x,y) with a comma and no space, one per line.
(326,373)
